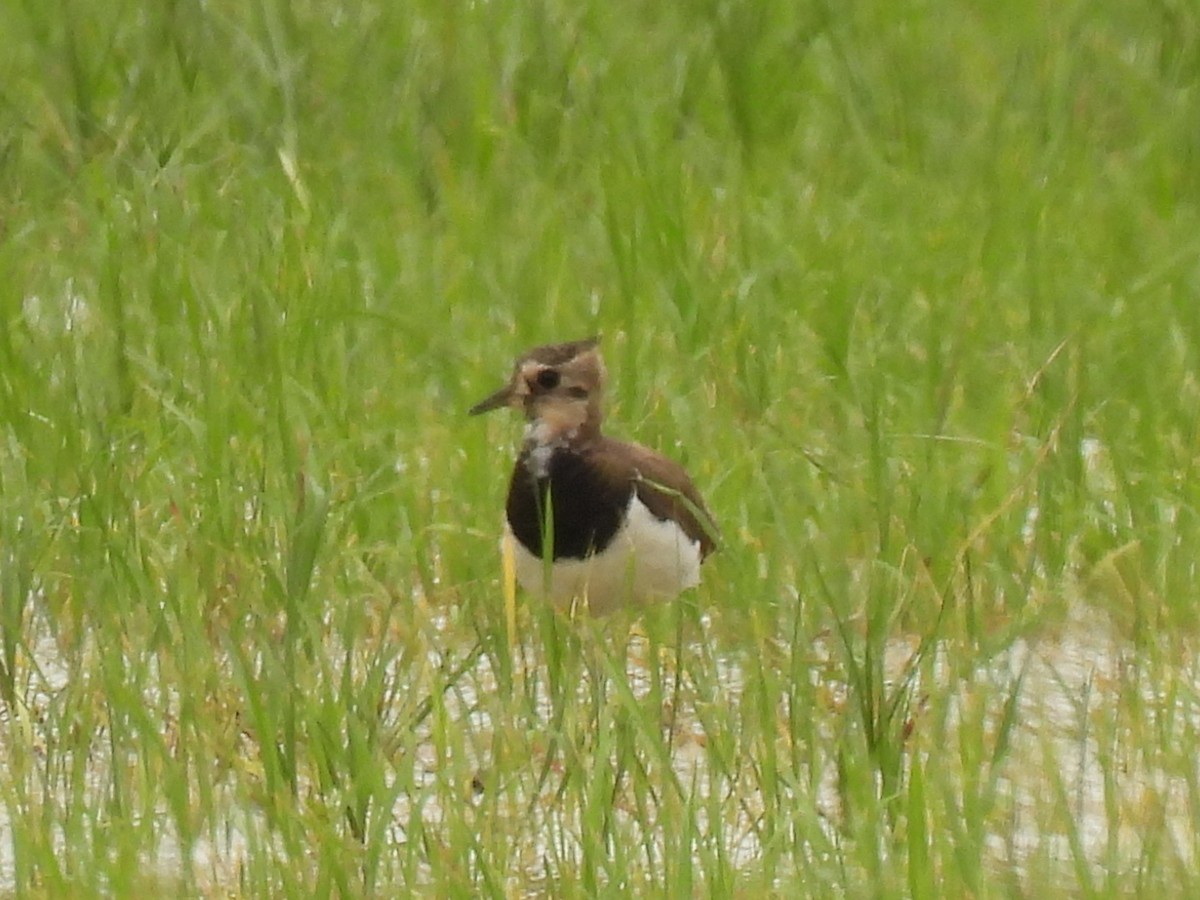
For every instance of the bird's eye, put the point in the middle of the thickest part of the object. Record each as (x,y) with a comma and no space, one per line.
(548,379)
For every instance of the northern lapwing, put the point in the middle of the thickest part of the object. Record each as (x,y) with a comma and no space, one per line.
(593,521)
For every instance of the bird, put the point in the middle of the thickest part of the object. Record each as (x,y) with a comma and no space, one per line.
(594,522)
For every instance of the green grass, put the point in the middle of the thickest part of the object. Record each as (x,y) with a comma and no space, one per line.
(912,289)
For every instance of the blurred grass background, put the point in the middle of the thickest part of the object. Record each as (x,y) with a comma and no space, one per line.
(911,288)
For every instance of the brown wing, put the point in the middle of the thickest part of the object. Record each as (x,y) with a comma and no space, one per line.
(664,487)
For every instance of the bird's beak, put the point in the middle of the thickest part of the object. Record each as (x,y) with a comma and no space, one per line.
(502,397)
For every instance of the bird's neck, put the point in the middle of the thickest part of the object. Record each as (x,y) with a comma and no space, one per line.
(547,435)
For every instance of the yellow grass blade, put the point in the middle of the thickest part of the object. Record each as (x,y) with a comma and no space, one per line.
(509,569)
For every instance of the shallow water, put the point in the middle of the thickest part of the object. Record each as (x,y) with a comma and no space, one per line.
(1111,790)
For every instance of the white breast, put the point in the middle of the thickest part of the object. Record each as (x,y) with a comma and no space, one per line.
(648,559)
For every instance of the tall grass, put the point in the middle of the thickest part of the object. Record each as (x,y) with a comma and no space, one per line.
(910,289)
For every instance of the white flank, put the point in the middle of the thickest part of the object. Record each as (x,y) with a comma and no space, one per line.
(649,559)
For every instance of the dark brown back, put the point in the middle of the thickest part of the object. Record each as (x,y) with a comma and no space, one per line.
(661,484)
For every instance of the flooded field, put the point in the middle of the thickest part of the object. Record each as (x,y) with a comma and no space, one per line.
(1076,793)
